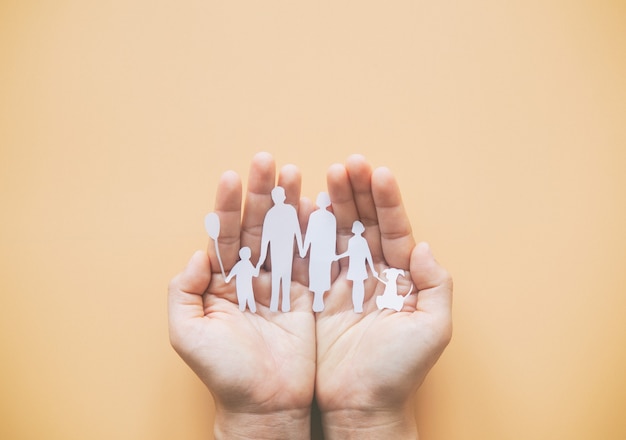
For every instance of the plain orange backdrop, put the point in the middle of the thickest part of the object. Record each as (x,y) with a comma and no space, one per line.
(504,122)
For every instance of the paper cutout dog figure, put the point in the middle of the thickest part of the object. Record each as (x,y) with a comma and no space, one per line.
(280,228)
(390,298)
(359,258)
(244,270)
(321,241)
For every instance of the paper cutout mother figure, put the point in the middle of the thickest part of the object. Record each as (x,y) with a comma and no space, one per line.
(280,227)
(321,238)
(359,258)
(244,270)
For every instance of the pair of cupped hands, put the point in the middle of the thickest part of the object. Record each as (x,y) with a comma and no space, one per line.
(264,369)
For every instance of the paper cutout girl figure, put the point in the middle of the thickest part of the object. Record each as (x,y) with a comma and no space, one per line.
(244,270)
(280,228)
(390,298)
(321,238)
(359,257)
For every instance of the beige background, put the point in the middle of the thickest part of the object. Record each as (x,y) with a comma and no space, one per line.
(505,123)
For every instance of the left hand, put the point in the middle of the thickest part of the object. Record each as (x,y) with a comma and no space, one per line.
(370,365)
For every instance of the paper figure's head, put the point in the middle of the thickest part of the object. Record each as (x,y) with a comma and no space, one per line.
(323,200)
(278,194)
(392,273)
(357,227)
(245,253)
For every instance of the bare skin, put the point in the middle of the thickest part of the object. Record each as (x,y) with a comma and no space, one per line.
(260,367)
(369,365)
(264,369)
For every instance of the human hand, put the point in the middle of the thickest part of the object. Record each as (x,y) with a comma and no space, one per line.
(260,367)
(370,365)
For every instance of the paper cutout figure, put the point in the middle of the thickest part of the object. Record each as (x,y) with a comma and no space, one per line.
(390,298)
(359,257)
(212,226)
(280,227)
(321,239)
(244,270)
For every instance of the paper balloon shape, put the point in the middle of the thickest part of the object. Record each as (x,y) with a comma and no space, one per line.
(212,226)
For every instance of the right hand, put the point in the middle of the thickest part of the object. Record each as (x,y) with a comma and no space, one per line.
(260,367)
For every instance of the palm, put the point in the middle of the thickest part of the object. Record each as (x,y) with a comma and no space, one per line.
(358,354)
(264,359)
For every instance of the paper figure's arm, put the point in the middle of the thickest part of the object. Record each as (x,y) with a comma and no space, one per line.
(301,248)
(306,245)
(232,273)
(343,255)
(264,245)
(370,262)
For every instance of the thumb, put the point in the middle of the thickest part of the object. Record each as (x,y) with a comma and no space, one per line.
(433,282)
(186,290)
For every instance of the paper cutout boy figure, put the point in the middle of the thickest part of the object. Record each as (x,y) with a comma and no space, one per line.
(321,239)
(280,227)
(359,258)
(244,270)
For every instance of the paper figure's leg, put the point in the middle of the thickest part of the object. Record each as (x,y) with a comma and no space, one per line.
(286,288)
(252,304)
(358,295)
(275,292)
(398,303)
(242,301)
(318,301)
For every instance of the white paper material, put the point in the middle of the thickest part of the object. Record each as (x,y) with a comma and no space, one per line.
(359,258)
(390,298)
(321,242)
(244,270)
(212,226)
(281,230)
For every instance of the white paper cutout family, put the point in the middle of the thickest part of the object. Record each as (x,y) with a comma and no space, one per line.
(280,229)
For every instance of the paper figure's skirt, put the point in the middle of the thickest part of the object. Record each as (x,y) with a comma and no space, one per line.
(319,276)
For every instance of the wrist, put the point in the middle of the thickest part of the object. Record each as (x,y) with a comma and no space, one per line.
(371,424)
(288,424)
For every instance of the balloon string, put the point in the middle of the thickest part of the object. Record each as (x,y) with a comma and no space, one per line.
(219,259)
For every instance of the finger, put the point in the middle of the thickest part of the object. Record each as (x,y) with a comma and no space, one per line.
(261,181)
(228,208)
(290,179)
(186,290)
(434,285)
(343,204)
(360,174)
(395,229)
